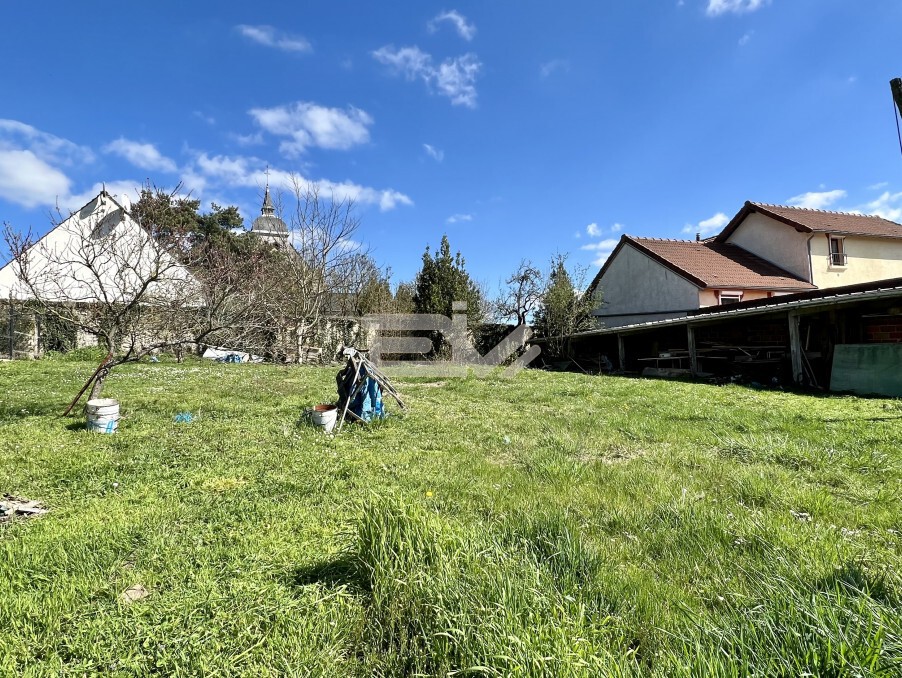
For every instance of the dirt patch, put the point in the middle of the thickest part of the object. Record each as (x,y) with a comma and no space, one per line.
(428,384)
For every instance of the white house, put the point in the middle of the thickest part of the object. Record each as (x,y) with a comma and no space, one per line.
(99,253)
(97,263)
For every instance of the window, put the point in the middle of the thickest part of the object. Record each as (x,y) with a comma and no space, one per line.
(730,298)
(837,251)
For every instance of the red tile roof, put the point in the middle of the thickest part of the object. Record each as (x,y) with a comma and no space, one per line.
(712,264)
(820,221)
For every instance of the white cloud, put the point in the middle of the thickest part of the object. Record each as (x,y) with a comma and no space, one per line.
(616,228)
(744,40)
(454,78)
(602,249)
(254,139)
(31,163)
(464,29)
(455,218)
(145,156)
(27,180)
(48,147)
(888,206)
(549,67)
(708,226)
(270,37)
(601,246)
(592,230)
(436,154)
(248,172)
(309,125)
(718,7)
(817,200)
(878,186)
(209,119)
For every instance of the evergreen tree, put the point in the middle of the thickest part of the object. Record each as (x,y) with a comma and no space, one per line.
(443,280)
(564,310)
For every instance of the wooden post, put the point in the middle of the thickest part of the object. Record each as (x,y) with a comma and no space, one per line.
(795,348)
(693,356)
(621,352)
(11,326)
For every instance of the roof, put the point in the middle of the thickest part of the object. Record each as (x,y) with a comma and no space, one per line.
(817,221)
(122,254)
(712,264)
(879,289)
(268,223)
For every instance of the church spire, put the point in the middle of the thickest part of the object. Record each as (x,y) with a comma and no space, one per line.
(268,226)
(267,208)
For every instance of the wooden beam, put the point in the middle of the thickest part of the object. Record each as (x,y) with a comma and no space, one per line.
(795,348)
(621,352)
(693,356)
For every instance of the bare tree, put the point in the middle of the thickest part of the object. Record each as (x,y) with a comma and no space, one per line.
(102,273)
(311,275)
(522,293)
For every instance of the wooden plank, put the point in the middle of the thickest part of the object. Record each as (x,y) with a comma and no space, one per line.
(621,352)
(795,348)
(693,355)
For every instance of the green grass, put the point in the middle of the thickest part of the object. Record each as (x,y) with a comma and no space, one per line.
(552,525)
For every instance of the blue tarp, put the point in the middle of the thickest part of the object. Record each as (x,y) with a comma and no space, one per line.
(367,401)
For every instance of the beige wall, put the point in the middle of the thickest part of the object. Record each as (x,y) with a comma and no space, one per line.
(710,297)
(774,241)
(637,288)
(869,259)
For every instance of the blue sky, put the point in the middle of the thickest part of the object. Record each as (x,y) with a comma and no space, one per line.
(519,128)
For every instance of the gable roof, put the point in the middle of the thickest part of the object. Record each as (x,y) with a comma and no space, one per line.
(122,254)
(713,264)
(817,221)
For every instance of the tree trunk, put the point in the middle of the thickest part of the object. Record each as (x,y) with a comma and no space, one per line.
(97,388)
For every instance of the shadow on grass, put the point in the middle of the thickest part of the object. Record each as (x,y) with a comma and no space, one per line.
(29,410)
(853,576)
(342,571)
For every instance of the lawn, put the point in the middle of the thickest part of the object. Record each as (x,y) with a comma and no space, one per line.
(550,525)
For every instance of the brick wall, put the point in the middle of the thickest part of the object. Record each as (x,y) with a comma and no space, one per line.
(751,331)
(886,330)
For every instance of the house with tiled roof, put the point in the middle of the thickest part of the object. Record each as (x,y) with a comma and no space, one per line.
(828,249)
(765,251)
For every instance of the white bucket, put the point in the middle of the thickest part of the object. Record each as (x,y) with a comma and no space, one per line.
(103,415)
(324,416)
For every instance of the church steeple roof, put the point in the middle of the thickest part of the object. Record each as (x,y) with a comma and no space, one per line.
(267,208)
(268,226)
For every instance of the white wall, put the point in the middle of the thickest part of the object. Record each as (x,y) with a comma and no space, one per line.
(869,259)
(774,241)
(637,288)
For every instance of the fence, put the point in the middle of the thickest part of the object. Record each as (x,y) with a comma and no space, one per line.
(19,331)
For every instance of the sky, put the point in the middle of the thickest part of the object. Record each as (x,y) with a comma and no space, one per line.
(521,129)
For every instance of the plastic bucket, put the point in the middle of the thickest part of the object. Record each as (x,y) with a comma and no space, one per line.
(103,415)
(324,416)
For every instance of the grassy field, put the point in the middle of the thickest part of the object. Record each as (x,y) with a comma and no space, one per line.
(552,525)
